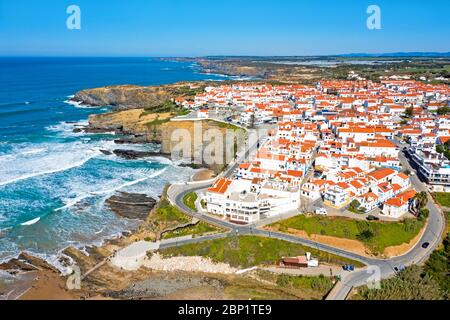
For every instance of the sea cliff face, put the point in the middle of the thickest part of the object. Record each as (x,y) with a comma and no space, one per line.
(130,96)
(158,128)
(145,113)
(123,97)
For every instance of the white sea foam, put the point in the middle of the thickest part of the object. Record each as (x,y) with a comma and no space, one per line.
(84,196)
(77,104)
(66,129)
(25,166)
(31,222)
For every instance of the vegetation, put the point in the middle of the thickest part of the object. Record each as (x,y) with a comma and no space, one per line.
(443,111)
(198,230)
(444,149)
(355,207)
(438,268)
(318,286)
(443,198)
(227,126)
(167,212)
(410,284)
(249,251)
(376,235)
(166,107)
(189,200)
(246,288)
(157,122)
(421,201)
(409,112)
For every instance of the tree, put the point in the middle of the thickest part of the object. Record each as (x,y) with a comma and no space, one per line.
(443,111)
(421,200)
(366,235)
(355,206)
(423,214)
(409,112)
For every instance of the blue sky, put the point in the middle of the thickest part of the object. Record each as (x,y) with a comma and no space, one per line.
(219,27)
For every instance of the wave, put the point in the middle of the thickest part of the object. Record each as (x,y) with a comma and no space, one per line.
(18,112)
(79,105)
(110,191)
(29,152)
(68,128)
(50,171)
(31,222)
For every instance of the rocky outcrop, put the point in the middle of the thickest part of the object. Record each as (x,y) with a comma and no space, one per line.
(27,262)
(132,97)
(157,128)
(131,205)
(134,155)
(124,97)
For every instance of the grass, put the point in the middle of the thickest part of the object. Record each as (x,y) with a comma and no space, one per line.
(198,230)
(376,235)
(411,284)
(157,122)
(316,286)
(189,201)
(249,251)
(270,286)
(228,126)
(245,288)
(167,215)
(442,198)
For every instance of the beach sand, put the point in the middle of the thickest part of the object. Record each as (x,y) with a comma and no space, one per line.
(202,175)
(49,286)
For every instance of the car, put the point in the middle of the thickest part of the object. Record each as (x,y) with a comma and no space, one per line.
(426,245)
(321,212)
(349,268)
(400,268)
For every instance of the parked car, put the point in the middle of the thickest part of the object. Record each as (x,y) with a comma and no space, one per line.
(349,268)
(426,245)
(400,268)
(321,212)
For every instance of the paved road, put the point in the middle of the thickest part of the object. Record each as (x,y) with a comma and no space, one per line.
(377,268)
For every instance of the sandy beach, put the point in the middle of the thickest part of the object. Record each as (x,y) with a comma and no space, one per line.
(202,175)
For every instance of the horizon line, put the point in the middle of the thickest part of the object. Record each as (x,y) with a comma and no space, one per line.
(360,54)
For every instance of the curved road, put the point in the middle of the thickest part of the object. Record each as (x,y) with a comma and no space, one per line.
(377,268)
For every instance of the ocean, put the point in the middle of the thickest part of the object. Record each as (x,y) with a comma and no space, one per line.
(54,182)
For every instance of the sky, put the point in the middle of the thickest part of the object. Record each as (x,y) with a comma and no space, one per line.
(221,27)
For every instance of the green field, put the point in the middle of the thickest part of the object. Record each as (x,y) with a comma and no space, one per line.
(189,200)
(442,198)
(167,215)
(375,235)
(249,251)
(410,284)
(200,229)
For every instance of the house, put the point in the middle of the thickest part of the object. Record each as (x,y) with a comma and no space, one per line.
(336,197)
(369,201)
(395,208)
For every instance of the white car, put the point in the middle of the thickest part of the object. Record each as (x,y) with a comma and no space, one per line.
(321,212)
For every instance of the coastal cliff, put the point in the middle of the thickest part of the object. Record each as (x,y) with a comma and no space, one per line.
(158,128)
(130,96)
(144,114)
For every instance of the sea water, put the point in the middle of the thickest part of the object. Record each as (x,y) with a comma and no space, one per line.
(54,182)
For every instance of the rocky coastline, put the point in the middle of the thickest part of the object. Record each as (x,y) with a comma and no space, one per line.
(135,125)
